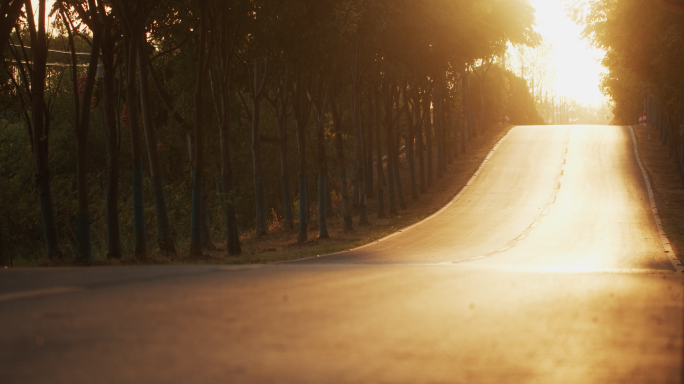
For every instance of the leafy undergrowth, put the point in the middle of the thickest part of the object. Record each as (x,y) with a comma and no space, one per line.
(281,245)
(666,182)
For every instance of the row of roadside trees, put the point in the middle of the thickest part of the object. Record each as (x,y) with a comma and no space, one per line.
(644,58)
(230,96)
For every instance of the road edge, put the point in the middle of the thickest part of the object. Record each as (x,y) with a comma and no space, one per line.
(654,210)
(399,232)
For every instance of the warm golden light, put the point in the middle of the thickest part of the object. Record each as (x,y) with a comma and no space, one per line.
(577,66)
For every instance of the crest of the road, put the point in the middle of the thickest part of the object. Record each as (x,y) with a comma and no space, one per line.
(549,267)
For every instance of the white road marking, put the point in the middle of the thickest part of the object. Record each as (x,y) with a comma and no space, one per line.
(38,293)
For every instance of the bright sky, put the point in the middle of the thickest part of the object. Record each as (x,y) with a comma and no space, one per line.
(577,68)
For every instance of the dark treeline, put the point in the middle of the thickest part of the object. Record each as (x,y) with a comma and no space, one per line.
(644,58)
(193,122)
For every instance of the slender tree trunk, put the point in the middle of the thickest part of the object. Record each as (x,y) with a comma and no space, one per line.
(40,133)
(370,190)
(112,142)
(82,112)
(466,104)
(427,124)
(421,143)
(303,216)
(198,172)
(339,150)
(409,148)
(391,150)
(378,143)
(355,190)
(226,188)
(397,177)
(322,182)
(164,238)
(464,114)
(259,185)
(285,177)
(421,158)
(410,156)
(302,111)
(207,243)
(360,156)
(328,197)
(439,122)
(450,123)
(136,149)
(483,114)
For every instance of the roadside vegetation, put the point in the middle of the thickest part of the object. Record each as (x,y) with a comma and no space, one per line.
(644,58)
(189,131)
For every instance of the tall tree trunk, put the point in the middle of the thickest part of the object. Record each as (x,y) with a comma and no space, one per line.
(425,104)
(439,121)
(410,156)
(302,112)
(164,238)
(360,156)
(397,176)
(328,197)
(83,218)
(198,169)
(483,123)
(226,188)
(427,124)
(464,107)
(391,150)
(112,142)
(466,104)
(285,185)
(450,124)
(370,190)
(207,243)
(409,147)
(303,201)
(339,151)
(40,132)
(322,182)
(378,143)
(136,149)
(259,185)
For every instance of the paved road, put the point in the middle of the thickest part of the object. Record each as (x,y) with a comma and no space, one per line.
(549,268)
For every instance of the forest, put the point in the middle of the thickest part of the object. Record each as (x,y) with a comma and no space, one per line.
(165,126)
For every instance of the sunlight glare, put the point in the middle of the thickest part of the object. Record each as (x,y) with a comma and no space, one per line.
(578,70)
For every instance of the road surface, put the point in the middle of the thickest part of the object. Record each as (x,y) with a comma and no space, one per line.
(548,268)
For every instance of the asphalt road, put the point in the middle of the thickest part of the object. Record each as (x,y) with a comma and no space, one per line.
(548,268)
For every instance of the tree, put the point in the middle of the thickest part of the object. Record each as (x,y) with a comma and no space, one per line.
(198,161)
(88,13)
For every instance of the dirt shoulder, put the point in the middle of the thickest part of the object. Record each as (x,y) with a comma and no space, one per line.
(666,182)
